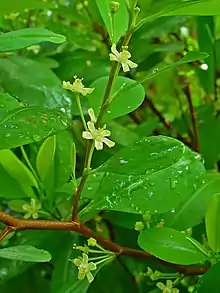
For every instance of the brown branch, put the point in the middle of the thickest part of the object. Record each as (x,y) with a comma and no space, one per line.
(189,130)
(166,123)
(15,224)
(192,112)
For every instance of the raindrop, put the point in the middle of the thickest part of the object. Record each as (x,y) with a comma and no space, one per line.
(173,183)
(4,271)
(151,183)
(109,112)
(89,188)
(63,110)
(64,123)
(173,210)
(109,201)
(8,134)
(129,107)
(68,100)
(150,194)
(155,70)
(36,137)
(123,162)
(2,105)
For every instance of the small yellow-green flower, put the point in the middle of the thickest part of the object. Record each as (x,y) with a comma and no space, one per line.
(168,288)
(122,57)
(98,135)
(77,87)
(35,49)
(139,226)
(31,209)
(84,267)
(92,242)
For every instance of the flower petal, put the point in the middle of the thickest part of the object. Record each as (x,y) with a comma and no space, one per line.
(92,115)
(98,145)
(114,50)
(87,135)
(77,262)
(26,207)
(35,215)
(81,275)
(161,286)
(91,127)
(108,142)
(113,57)
(33,202)
(106,132)
(125,67)
(91,266)
(132,64)
(85,258)
(27,216)
(90,277)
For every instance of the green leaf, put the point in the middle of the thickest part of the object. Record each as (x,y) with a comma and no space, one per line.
(16,205)
(120,18)
(213,222)
(121,134)
(42,89)
(62,266)
(10,188)
(7,103)
(189,57)
(192,211)
(180,7)
(209,127)
(195,7)
(172,246)
(125,102)
(206,40)
(45,156)
(25,253)
(28,124)
(75,285)
(113,278)
(209,281)
(64,158)
(16,168)
(155,174)
(16,40)
(19,6)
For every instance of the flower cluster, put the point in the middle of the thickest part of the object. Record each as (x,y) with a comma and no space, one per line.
(98,135)
(168,288)
(31,209)
(85,264)
(77,87)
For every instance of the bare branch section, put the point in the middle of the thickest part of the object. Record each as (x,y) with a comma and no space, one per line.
(15,224)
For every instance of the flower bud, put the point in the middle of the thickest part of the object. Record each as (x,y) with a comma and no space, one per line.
(114,6)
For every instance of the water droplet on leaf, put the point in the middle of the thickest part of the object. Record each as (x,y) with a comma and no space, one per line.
(36,137)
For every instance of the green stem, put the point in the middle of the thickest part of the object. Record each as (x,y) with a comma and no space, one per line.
(30,167)
(82,182)
(106,259)
(96,251)
(98,257)
(113,74)
(114,70)
(81,111)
